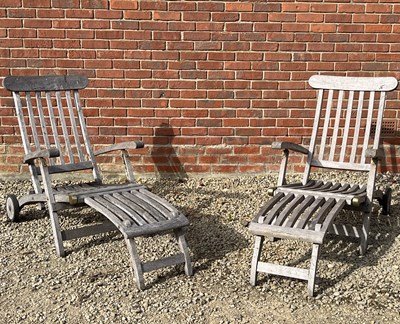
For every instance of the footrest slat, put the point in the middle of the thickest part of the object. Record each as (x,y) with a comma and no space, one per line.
(285,271)
(165,262)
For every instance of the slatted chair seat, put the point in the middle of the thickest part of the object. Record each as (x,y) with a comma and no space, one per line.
(353,194)
(345,137)
(55,140)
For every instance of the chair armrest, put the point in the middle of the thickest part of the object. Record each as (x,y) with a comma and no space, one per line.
(375,154)
(290,146)
(120,146)
(47,153)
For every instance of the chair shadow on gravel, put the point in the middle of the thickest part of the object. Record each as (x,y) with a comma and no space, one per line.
(383,232)
(210,240)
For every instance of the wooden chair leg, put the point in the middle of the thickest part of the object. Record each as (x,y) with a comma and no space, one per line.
(55,225)
(365,233)
(180,237)
(136,264)
(256,257)
(313,269)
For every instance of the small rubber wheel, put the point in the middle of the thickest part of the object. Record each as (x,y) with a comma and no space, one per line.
(12,207)
(386,201)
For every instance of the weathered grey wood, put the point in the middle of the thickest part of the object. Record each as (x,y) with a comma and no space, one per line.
(368,125)
(337,124)
(259,240)
(144,208)
(278,207)
(47,83)
(280,270)
(353,83)
(120,146)
(85,134)
(74,127)
(88,230)
(347,125)
(315,193)
(286,232)
(347,109)
(313,269)
(340,165)
(42,123)
(79,194)
(67,141)
(129,207)
(136,264)
(162,263)
(298,211)
(32,122)
(309,212)
(47,153)
(73,167)
(326,125)
(289,146)
(53,124)
(55,223)
(183,247)
(288,210)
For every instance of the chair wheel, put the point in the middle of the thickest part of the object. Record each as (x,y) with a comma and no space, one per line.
(12,208)
(386,201)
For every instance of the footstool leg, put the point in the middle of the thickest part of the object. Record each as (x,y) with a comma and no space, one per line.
(180,237)
(313,269)
(136,264)
(256,257)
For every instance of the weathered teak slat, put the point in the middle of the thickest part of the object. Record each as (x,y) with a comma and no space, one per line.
(345,136)
(56,140)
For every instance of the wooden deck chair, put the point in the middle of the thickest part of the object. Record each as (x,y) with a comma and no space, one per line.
(55,140)
(345,136)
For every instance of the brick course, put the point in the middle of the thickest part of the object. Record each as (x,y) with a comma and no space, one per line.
(208,85)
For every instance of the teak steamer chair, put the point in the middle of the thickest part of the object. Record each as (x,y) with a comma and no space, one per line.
(55,140)
(345,136)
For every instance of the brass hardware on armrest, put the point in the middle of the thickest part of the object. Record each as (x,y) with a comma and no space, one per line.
(271,191)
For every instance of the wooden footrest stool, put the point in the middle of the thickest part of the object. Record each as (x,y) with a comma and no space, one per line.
(134,211)
(296,217)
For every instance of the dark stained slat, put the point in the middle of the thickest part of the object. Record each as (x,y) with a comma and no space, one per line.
(45,83)
(309,212)
(286,212)
(278,207)
(291,220)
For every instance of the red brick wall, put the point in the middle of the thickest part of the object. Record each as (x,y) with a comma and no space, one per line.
(207,85)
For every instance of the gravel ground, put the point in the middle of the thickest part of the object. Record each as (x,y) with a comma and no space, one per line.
(94,282)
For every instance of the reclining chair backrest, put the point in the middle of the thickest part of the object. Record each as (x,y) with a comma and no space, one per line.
(50,116)
(347,121)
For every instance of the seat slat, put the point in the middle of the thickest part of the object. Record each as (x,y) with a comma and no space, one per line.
(149,216)
(156,202)
(286,212)
(319,218)
(291,220)
(143,206)
(309,212)
(124,210)
(268,206)
(279,206)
